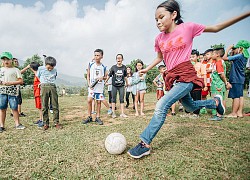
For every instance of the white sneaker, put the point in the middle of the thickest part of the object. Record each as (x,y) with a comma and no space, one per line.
(110,111)
(194,116)
(123,115)
(20,126)
(186,115)
(113,115)
(51,111)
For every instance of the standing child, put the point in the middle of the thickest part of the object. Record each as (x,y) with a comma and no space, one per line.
(174,45)
(37,92)
(139,80)
(47,75)
(201,73)
(19,97)
(237,76)
(96,74)
(207,63)
(159,82)
(129,88)
(248,92)
(118,73)
(219,81)
(10,77)
(33,66)
(109,84)
(165,92)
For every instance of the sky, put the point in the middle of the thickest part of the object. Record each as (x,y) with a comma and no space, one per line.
(70,30)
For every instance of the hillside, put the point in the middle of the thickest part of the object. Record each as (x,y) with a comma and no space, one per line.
(67,80)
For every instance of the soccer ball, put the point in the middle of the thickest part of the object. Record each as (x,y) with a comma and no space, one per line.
(115,143)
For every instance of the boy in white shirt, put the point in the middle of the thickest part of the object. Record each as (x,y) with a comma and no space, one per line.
(96,72)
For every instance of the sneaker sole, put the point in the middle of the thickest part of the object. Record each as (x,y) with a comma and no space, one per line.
(221,100)
(137,157)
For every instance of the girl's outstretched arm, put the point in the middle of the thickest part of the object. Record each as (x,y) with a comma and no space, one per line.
(225,24)
(158,59)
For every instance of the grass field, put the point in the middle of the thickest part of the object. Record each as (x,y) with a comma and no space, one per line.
(183,148)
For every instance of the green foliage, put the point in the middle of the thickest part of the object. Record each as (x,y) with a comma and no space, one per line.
(132,64)
(84,91)
(151,75)
(28,76)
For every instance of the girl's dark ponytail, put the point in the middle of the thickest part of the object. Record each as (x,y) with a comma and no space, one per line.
(171,6)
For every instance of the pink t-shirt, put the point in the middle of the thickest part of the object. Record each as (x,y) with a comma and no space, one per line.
(176,46)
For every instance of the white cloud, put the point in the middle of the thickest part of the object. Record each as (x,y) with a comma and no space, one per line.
(124,26)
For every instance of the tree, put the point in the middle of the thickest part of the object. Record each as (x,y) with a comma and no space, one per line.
(28,76)
(132,64)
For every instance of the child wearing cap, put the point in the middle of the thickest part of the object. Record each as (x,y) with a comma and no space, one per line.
(237,75)
(10,77)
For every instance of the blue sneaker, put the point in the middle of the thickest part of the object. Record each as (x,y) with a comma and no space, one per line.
(39,121)
(220,108)
(41,124)
(215,118)
(110,111)
(139,151)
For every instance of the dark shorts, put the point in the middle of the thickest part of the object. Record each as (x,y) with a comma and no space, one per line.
(19,98)
(236,91)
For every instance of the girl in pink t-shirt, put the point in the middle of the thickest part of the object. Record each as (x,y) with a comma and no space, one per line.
(174,45)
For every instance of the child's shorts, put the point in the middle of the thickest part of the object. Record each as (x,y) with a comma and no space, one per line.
(205,93)
(236,91)
(38,102)
(96,96)
(19,98)
(143,91)
(5,99)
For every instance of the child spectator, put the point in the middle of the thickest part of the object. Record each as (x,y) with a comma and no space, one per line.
(96,74)
(129,88)
(118,73)
(139,80)
(10,78)
(201,73)
(219,82)
(207,62)
(159,82)
(237,76)
(165,92)
(47,76)
(37,92)
(109,84)
(19,97)
(248,92)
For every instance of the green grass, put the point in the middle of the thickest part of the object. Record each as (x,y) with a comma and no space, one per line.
(183,148)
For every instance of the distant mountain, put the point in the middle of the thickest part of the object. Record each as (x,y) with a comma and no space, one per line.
(66,80)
